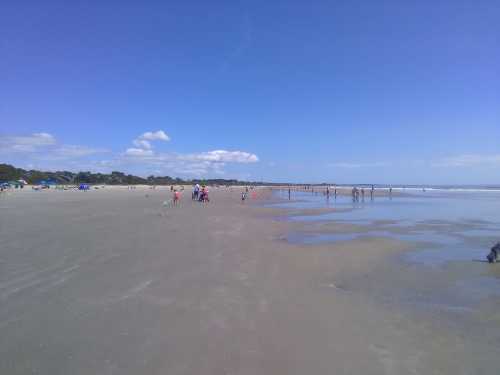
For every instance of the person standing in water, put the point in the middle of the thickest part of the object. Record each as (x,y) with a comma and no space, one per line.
(289,194)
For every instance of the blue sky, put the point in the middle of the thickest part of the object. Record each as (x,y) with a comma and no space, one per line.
(338,91)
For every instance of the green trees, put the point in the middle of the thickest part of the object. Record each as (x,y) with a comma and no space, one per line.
(10,173)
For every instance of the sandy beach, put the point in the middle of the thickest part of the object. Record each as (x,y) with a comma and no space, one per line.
(112,282)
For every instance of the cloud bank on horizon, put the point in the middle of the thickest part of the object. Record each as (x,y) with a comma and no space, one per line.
(44,151)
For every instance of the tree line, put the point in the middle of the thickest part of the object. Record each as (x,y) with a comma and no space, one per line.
(11,173)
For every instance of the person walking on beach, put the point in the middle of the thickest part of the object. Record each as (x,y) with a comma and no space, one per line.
(196,191)
(206,199)
(363,194)
(243,196)
(371,192)
(289,194)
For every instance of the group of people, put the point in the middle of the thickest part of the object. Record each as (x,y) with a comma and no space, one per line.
(328,192)
(200,194)
(355,192)
(244,194)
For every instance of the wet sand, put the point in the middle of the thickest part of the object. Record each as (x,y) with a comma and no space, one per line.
(111,282)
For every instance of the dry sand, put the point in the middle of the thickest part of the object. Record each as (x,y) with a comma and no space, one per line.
(111,282)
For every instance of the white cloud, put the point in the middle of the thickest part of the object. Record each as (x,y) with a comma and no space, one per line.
(141,143)
(351,165)
(192,169)
(44,146)
(468,160)
(46,152)
(144,142)
(219,156)
(159,135)
(29,143)
(75,151)
(138,152)
(198,164)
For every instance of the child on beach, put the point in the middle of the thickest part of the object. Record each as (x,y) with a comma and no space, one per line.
(205,195)
(176,197)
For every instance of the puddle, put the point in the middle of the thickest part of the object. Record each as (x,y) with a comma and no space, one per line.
(486,232)
(440,255)
(434,249)
(420,236)
(315,239)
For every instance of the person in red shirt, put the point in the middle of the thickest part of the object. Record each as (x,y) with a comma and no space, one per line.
(177,197)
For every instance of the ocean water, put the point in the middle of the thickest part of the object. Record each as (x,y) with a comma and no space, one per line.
(411,208)
(460,224)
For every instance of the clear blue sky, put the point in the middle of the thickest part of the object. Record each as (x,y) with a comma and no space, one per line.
(340,91)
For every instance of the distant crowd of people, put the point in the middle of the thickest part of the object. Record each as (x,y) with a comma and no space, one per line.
(244,194)
(201,194)
(357,193)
